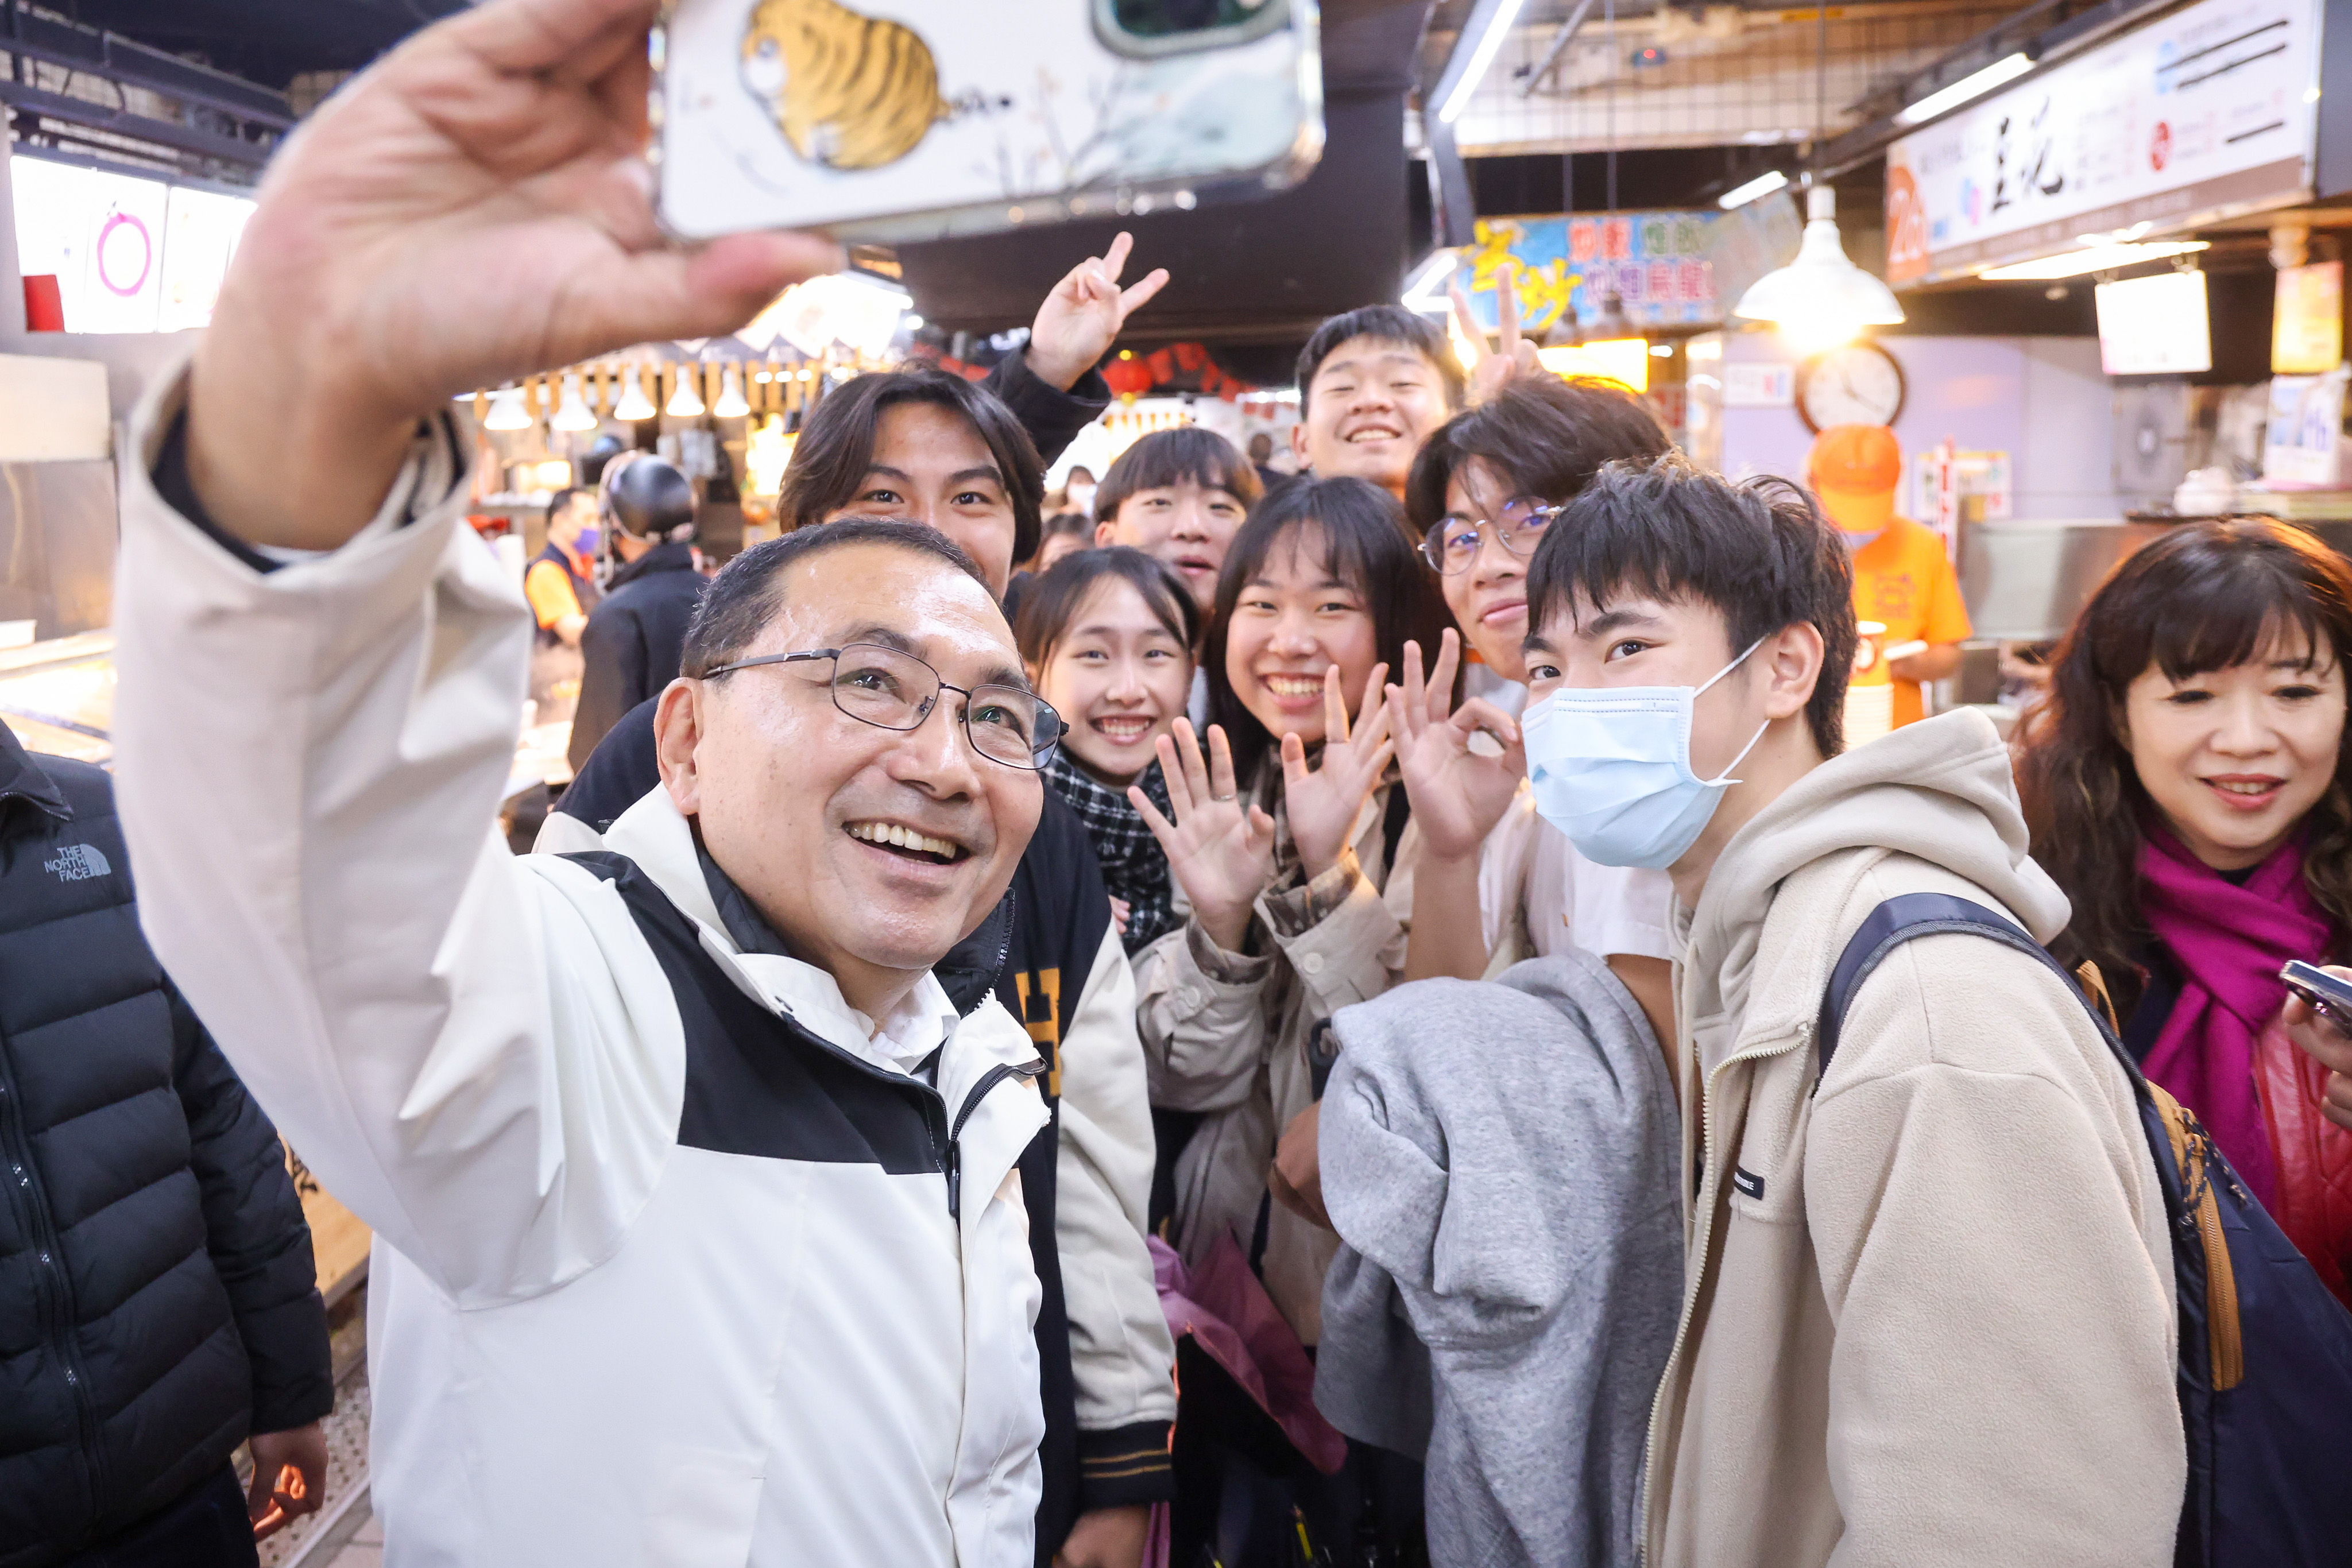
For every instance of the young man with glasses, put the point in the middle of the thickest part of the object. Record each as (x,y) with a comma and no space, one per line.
(699,1234)
(1497,885)
(941,453)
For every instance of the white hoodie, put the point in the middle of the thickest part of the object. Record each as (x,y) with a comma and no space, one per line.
(606,1326)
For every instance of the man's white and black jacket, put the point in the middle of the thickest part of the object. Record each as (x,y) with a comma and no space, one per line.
(677,1262)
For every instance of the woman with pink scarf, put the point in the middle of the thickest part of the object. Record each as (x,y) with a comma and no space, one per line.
(2187,786)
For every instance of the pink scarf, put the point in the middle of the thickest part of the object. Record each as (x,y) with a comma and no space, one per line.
(2230,942)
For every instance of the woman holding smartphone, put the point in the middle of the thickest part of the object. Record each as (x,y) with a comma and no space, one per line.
(2187,786)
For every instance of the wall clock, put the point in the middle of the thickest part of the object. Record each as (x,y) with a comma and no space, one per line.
(1854,383)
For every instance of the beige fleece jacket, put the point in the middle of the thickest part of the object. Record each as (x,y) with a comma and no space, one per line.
(1928,1317)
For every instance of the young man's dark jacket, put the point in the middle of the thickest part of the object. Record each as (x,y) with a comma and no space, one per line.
(634,640)
(158,1301)
(1034,951)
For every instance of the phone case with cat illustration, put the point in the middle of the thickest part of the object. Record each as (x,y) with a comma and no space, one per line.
(906,120)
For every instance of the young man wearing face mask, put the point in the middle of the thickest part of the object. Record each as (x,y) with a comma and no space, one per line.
(1929,1313)
(698,1234)
(940,452)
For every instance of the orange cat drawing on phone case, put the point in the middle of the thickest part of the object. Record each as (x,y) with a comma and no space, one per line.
(847,91)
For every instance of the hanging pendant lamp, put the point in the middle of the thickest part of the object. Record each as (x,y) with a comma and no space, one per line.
(686,403)
(507,411)
(635,407)
(731,403)
(573,413)
(1821,298)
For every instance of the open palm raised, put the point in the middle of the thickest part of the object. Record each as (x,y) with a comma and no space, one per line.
(1220,847)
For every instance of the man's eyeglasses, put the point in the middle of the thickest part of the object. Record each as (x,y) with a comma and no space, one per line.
(891,690)
(1452,542)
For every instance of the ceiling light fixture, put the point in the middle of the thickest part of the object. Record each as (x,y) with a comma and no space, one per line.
(1482,55)
(506,410)
(1973,86)
(731,403)
(1764,184)
(635,407)
(1821,298)
(573,412)
(2093,259)
(686,403)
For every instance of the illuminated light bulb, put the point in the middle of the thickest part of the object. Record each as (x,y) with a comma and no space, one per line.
(731,403)
(635,406)
(686,403)
(1821,299)
(507,411)
(573,413)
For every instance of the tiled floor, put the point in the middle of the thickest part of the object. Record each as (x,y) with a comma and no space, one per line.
(366,1550)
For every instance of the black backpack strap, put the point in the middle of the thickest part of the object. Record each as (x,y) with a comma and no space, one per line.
(1915,914)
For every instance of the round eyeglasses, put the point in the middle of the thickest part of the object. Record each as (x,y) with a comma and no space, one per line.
(1452,542)
(894,690)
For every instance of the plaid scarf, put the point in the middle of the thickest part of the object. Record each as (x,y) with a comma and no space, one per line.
(1133,867)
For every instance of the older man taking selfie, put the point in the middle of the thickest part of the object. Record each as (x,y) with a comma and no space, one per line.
(698,1238)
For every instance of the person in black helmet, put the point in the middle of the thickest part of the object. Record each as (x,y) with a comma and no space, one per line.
(631,646)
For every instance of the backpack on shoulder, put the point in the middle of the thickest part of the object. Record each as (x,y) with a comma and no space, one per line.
(2265,1372)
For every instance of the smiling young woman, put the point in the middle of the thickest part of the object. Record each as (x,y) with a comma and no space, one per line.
(1109,633)
(2185,787)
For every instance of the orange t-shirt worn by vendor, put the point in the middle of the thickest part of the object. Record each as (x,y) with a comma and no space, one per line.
(1902,577)
(1904,581)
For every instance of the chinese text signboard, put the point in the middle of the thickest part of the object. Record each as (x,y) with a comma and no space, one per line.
(2203,113)
(1658,263)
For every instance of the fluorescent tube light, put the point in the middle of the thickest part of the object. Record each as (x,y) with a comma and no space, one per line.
(1482,55)
(1764,184)
(1973,86)
(2095,259)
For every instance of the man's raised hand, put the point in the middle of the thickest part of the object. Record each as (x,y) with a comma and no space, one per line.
(473,208)
(1082,317)
(1515,356)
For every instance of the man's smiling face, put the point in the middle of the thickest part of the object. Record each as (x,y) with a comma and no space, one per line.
(871,850)
(1369,405)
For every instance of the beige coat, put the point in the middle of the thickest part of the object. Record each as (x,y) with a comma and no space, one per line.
(1929,1315)
(1226,1034)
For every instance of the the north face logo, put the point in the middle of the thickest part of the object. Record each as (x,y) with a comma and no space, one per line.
(77,863)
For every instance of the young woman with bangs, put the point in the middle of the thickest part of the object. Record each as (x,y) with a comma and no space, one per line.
(1292,843)
(1108,637)
(2185,787)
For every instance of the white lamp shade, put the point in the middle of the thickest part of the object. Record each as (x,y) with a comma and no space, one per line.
(686,403)
(731,403)
(1820,293)
(573,413)
(635,406)
(507,411)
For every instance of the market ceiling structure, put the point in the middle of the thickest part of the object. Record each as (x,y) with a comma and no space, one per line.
(266,41)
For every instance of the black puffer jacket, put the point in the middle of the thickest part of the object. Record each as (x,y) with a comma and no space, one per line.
(157,1298)
(634,641)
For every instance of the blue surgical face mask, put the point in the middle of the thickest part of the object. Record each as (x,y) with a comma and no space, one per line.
(587,540)
(1611,769)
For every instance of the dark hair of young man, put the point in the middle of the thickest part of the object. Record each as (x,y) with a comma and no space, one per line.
(1056,598)
(1386,324)
(1365,546)
(1168,457)
(836,446)
(745,595)
(562,498)
(1545,436)
(1758,552)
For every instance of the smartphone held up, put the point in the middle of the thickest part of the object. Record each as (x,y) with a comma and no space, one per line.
(895,120)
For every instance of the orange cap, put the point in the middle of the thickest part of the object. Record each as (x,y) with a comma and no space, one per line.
(1855,469)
